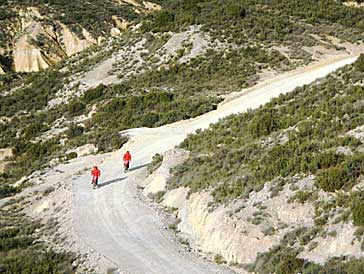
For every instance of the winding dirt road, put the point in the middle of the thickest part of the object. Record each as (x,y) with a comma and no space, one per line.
(116,224)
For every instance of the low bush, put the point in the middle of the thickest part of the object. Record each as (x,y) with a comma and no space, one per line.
(332,178)
(156,163)
(93,94)
(76,107)
(6,190)
(74,131)
(71,155)
(358,213)
(242,152)
(19,252)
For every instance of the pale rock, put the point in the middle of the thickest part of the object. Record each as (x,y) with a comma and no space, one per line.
(5,153)
(157,180)
(115,32)
(344,150)
(88,36)
(357,133)
(3,166)
(71,42)
(176,197)
(151,6)
(120,23)
(27,57)
(337,246)
(2,70)
(234,236)
(100,40)
(84,150)
(132,2)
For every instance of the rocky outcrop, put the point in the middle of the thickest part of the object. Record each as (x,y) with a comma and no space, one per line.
(27,57)
(36,40)
(151,6)
(143,7)
(40,44)
(72,43)
(157,181)
(5,153)
(240,230)
(354,4)
(84,150)
(120,23)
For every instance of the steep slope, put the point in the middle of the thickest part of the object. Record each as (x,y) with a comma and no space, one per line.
(106,219)
(38,34)
(283,181)
(163,63)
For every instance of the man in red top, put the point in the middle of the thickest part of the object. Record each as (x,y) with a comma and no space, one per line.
(95,173)
(126,159)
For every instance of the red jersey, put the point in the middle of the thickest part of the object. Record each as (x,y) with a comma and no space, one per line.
(127,157)
(96,172)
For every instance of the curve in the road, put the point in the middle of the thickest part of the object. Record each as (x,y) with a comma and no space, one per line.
(116,224)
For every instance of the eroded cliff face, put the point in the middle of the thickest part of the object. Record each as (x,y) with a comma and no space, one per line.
(243,228)
(36,37)
(38,45)
(71,43)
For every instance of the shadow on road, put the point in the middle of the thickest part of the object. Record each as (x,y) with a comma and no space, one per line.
(111,181)
(137,167)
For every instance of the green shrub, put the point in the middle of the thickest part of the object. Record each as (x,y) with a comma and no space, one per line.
(71,155)
(301,196)
(156,163)
(332,178)
(219,259)
(21,254)
(74,131)
(93,94)
(335,265)
(75,108)
(6,190)
(108,141)
(358,214)
(279,259)
(359,64)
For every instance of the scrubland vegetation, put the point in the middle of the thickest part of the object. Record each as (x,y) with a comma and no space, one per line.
(21,251)
(95,16)
(298,133)
(294,133)
(266,21)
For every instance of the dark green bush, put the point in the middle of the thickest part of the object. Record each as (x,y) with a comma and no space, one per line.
(280,260)
(93,94)
(21,254)
(6,190)
(107,140)
(157,160)
(332,178)
(74,131)
(359,64)
(76,107)
(358,213)
(71,155)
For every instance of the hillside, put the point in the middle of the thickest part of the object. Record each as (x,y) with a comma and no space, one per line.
(288,174)
(74,81)
(39,34)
